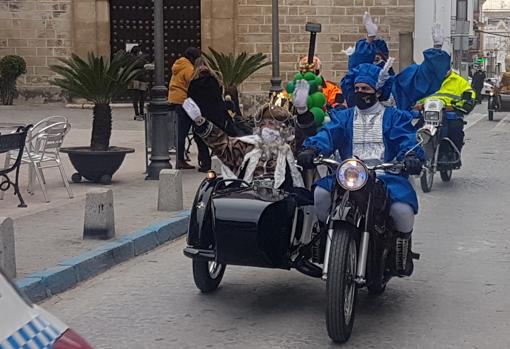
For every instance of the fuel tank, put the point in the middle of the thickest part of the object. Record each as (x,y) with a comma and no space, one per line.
(253,227)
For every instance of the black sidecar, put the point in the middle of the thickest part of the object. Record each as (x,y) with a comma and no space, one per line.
(233,222)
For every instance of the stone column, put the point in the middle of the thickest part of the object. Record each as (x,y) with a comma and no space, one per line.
(91,27)
(219,24)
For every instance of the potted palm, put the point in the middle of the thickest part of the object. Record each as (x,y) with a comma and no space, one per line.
(98,80)
(234,69)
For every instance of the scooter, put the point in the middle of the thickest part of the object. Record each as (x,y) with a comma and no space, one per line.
(441,153)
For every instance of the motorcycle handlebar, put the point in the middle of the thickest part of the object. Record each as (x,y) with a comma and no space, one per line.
(397,166)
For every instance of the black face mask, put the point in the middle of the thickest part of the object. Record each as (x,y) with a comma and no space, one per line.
(365,100)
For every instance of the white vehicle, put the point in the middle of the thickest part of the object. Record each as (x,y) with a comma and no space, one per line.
(24,325)
(487,87)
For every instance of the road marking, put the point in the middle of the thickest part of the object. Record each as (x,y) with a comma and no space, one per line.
(473,120)
(505,121)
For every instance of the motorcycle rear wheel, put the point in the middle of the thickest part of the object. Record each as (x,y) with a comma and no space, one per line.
(426,180)
(341,288)
(207,275)
(446,175)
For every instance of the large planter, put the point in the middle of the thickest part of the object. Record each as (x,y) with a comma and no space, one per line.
(96,165)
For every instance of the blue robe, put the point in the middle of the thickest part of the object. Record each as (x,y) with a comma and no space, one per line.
(415,82)
(399,136)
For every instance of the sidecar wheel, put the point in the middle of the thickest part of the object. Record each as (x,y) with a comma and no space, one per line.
(207,275)
(426,180)
(341,288)
(446,176)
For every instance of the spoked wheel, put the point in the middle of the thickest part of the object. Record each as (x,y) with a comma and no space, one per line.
(340,286)
(207,275)
(426,180)
(446,175)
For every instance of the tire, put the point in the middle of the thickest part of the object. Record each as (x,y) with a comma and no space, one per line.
(105,179)
(491,115)
(446,175)
(341,288)
(207,275)
(426,180)
(76,177)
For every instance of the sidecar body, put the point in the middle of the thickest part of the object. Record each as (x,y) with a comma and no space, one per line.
(236,223)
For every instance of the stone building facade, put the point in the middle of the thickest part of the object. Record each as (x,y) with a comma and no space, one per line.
(43,30)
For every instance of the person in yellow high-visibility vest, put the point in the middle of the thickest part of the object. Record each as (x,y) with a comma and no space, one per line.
(460,99)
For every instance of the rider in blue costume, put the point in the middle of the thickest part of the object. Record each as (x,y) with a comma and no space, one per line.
(372,132)
(413,83)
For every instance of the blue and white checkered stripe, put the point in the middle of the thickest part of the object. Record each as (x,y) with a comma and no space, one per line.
(37,334)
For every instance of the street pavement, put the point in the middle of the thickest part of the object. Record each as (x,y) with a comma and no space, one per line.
(47,233)
(458,296)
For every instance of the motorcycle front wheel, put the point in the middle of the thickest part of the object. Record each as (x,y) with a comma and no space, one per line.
(341,288)
(446,175)
(207,275)
(426,180)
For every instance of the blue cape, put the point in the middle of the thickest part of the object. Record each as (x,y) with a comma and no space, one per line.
(399,137)
(413,83)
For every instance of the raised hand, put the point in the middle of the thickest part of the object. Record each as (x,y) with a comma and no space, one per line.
(301,95)
(437,35)
(370,25)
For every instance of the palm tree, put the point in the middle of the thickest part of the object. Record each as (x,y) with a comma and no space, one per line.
(233,70)
(98,79)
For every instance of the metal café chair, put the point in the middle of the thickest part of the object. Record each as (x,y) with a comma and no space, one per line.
(42,151)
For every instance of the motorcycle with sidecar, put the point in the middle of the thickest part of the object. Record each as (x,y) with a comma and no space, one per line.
(252,224)
(441,153)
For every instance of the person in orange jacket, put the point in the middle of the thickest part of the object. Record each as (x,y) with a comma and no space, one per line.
(182,72)
(331,90)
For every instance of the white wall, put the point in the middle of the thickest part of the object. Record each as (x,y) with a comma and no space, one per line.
(426,13)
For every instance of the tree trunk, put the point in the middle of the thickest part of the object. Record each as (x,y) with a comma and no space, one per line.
(101,127)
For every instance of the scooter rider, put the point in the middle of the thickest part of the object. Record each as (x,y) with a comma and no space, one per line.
(457,95)
(270,150)
(372,132)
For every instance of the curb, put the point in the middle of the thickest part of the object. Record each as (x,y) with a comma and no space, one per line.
(68,273)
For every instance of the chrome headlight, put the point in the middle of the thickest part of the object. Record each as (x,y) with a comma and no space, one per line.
(352,175)
(432,116)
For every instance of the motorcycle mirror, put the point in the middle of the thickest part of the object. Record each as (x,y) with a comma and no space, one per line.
(423,136)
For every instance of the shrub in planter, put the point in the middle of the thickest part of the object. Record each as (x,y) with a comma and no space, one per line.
(11,68)
(97,79)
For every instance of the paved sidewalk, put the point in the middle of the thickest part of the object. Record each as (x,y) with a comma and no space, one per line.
(47,233)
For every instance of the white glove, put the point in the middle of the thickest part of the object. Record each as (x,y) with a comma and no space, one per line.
(349,51)
(369,25)
(384,75)
(300,96)
(192,109)
(437,35)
